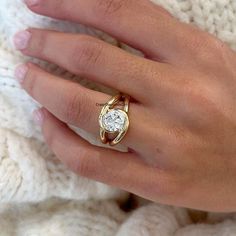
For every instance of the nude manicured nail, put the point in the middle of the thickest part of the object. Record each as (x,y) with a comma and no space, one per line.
(31,2)
(20,72)
(21,39)
(38,117)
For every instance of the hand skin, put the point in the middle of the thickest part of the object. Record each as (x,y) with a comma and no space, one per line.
(183,125)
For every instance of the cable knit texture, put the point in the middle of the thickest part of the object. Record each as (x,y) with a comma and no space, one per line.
(40,196)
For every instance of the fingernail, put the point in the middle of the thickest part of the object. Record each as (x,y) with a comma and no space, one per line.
(31,2)
(21,39)
(20,72)
(38,117)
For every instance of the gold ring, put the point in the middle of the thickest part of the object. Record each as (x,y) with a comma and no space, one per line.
(114,121)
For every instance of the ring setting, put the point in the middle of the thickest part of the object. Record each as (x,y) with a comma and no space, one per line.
(114,121)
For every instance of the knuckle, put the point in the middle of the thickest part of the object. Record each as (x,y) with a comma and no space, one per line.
(75,109)
(202,108)
(197,43)
(30,81)
(209,48)
(82,166)
(40,41)
(63,8)
(109,7)
(197,95)
(86,54)
(201,102)
(219,52)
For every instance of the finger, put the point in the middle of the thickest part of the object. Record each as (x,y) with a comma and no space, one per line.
(73,103)
(94,59)
(123,170)
(142,24)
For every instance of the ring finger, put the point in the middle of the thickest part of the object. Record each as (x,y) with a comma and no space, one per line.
(73,103)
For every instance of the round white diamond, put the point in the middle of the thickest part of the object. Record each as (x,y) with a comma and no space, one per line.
(114,120)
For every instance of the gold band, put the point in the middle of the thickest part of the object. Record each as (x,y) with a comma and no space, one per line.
(113,120)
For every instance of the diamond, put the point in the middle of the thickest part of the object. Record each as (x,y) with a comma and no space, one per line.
(114,120)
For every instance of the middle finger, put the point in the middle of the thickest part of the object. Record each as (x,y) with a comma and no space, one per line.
(94,59)
(74,104)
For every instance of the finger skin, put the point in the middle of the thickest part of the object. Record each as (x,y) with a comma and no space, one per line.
(135,22)
(123,170)
(97,60)
(75,104)
(69,101)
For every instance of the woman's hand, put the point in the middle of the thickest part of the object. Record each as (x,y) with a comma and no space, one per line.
(183,126)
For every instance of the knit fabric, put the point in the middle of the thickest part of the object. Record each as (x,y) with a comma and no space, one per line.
(39,195)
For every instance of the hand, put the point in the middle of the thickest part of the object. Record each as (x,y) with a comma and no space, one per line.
(183,126)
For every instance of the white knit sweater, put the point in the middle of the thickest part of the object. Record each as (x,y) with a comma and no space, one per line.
(41,197)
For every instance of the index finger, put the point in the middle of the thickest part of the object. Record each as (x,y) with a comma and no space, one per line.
(140,23)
